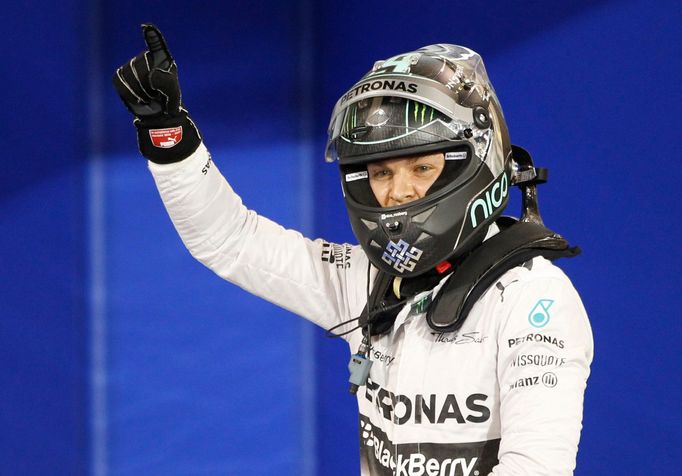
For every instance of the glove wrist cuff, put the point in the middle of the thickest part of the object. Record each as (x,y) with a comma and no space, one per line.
(165,140)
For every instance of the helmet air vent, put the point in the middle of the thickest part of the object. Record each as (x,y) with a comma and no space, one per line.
(423,216)
(423,236)
(369,224)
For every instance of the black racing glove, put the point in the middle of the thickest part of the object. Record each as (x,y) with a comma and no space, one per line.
(148,85)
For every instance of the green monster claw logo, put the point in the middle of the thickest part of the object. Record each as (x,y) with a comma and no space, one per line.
(424,109)
(351,118)
(416,115)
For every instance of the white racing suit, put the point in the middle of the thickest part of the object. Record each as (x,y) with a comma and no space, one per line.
(502,396)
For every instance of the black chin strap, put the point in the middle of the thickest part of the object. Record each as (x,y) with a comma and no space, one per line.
(383,305)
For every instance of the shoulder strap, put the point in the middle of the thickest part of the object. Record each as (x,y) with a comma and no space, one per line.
(511,247)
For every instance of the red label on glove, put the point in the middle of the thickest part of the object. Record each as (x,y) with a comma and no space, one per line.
(166,138)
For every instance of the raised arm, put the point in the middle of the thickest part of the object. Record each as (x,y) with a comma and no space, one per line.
(310,278)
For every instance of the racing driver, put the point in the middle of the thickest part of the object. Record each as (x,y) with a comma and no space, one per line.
(470,349)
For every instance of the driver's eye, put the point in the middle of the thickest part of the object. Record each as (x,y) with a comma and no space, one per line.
(380,173)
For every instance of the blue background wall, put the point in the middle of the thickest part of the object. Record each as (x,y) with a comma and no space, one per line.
(122,356)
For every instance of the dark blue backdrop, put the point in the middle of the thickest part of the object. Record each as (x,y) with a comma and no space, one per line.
(123,356)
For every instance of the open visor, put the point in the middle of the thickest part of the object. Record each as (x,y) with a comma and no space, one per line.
(460,166)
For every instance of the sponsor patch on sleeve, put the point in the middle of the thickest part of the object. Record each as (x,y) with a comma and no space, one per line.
(338,255)
(539,315)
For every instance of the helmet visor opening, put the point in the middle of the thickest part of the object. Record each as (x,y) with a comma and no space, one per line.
(457,167)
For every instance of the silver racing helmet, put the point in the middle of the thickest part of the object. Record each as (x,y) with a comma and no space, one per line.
(435,99)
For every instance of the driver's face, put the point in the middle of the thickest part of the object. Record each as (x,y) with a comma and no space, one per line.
(403,180)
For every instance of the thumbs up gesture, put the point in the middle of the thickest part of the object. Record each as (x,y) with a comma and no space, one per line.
(149,87)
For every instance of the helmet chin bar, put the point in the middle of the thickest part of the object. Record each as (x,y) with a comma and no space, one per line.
(526,176)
